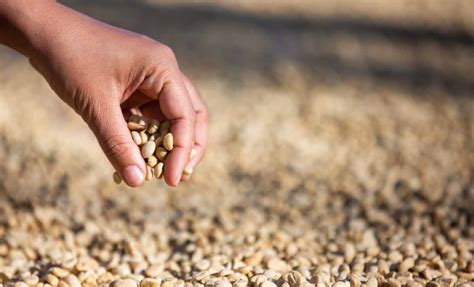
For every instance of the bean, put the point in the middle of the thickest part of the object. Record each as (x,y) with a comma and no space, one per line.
(164,127)
(136,126)
(158,171)
(153,126)
(149,173)
(148,149)
(161,153)
(168,141)
(136,137)
(117,178)
(152,161)
(188,171)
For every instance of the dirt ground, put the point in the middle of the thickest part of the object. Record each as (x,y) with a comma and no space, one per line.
(341,142)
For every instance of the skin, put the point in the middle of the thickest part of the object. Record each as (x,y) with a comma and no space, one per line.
(101,72)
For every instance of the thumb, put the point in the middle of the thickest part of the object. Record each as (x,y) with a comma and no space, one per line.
(111,131)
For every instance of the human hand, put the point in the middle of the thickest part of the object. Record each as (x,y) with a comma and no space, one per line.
(100,70)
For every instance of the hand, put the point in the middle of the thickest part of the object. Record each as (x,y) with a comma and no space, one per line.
(99,70)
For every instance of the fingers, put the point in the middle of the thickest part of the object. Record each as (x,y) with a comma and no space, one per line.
(201,129)
(114,138)
(176,106)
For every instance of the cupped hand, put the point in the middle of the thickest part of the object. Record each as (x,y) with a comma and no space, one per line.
(100,71)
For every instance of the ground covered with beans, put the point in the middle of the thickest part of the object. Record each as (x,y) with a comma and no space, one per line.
(315,175)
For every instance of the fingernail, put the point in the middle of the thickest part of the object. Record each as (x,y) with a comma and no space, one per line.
(133,176)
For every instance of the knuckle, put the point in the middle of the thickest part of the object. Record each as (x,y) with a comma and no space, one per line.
(115,146)
(166,52)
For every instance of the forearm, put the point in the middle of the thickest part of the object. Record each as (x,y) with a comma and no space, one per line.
(28,26)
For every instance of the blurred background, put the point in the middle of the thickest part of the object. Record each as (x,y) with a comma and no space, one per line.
(322,114)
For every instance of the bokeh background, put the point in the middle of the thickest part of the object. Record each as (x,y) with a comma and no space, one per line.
(323,114)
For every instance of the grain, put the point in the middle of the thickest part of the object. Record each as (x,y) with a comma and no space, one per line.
(150,282)
(117,178)
(188,171)
(161,153)
(144,137)
(149,173)
(158,171)
(152,161)
(168,141)
(136,137)
(124,283)
(164,127)
(148,149)
(136,126)
(153,127)
(72,280)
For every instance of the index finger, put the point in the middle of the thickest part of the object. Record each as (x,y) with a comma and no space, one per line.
(176,106)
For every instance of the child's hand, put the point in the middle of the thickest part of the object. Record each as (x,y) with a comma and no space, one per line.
(99,70)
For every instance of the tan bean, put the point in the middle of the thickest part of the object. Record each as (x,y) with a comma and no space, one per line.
(168,141)
(161,153)
(149,173)
(136,126)
(143,137)
(153,126)
(148,149)
(188,171)
(165,127)
(136,137)
(152,161)
(117,178)
(158,171)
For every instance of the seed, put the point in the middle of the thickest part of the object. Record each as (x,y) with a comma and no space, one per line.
(268,284)
(203,265)
(20,284)
(158,171)
(240,283)
(143,137)
(406,264)
(372,282)
(168,141)
(153,270)
(149,282)
(149,173)
(276,264)
(164,127)
(32,280)
(188,171)
(51,279)
(72,280)
(135,118)
(223,283)
(254,259)
(148,149)
(136,126)
(152,161)
(59,272)
(136,137)
(117,178)
(161,153)
(124,283)
(153,126)
(167,283)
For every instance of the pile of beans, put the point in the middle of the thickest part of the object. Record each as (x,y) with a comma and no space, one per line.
(155,141)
